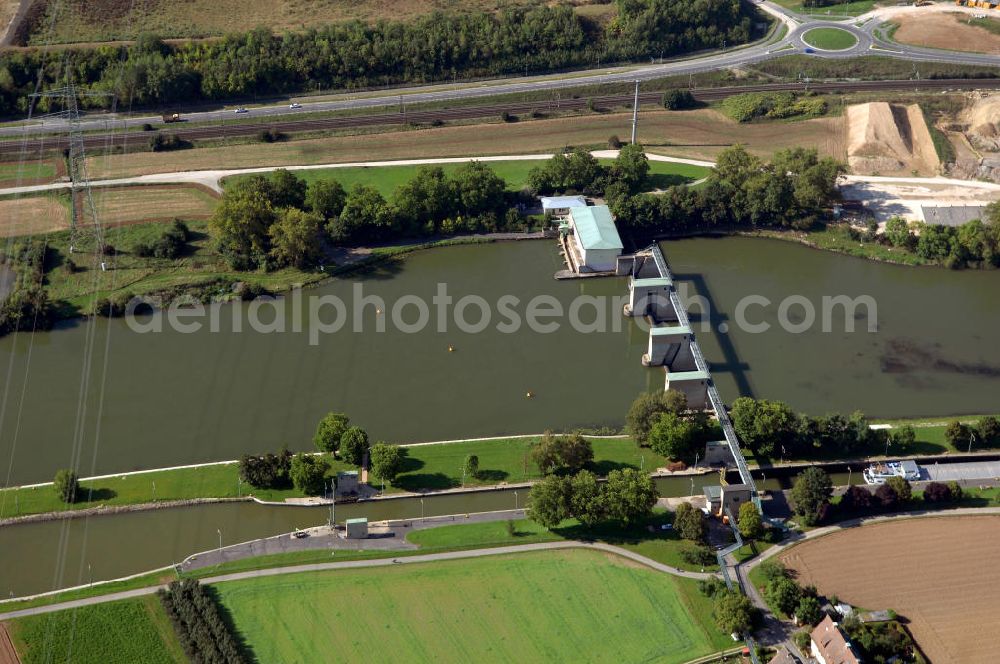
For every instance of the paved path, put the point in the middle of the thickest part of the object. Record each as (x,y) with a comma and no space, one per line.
(361,564)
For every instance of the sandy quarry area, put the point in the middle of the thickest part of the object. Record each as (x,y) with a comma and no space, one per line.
(905,197)
(948,30)
(939,573)
(888,139)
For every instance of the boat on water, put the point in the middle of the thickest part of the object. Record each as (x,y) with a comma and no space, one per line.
(880,472)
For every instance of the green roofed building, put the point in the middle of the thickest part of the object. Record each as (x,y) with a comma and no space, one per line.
(595,238)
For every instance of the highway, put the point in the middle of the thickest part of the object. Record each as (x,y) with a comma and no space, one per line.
(869,42)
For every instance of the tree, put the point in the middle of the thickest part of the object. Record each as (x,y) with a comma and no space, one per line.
(329,431)
(426,200)
(811,494)
(689,523)
(308,473)
(325,198)
(365,217)
(762,425)
(937,492)
(631,167)
(477,189)
(897,232)
(647,408)
(902,488)
(886,496)
(628,495)
(241,222)
(562,454)
(677,100)
(550,501)
(674,436)
(783,594)
(269,471)
(295,239)
(957,434)
(733,613)
(353,445)
(587,499)
(856,498)
(67,485)
(903,438)
(988,429)
(288,191)
(471,466)
(750,523)
(386,460)
(771,570)
(808,612)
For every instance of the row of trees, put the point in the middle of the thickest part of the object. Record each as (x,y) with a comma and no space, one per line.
(203,634)
(27,306)
(973,244)
(791,190)
(349,55)
(626,497)
(579,172)
(279,221)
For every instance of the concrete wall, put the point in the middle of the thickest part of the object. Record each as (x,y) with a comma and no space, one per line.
(601,260)
(696,391)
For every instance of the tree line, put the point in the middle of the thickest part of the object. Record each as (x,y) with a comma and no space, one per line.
(975,243)
(439,46)
(203,634)
(27,307)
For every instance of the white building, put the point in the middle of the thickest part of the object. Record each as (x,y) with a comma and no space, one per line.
(560,205)
(595,237)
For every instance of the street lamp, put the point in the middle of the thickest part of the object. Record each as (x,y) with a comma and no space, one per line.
(421,508)
(219,530)
(515,500)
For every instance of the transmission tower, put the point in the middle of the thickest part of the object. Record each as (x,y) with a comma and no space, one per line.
(84,222)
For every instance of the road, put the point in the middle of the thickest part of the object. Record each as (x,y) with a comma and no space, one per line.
(869,42)
(362,564)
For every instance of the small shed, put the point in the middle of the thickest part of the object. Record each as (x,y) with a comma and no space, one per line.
(347,483)
(560,205)
(596,237)
(356,528)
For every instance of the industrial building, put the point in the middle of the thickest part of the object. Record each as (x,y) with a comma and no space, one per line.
(591,239)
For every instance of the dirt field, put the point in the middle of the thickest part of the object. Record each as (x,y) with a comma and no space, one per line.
(105,20)
(36,214)
(128,205)
(7,653)
(949,30)
(889,140)
(696,134)
(938,573)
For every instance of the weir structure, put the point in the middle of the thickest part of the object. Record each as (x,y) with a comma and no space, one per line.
(672,343)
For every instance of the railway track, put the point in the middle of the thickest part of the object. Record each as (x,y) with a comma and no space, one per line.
(14,148)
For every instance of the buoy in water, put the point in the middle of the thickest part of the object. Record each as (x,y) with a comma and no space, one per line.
(529,395)
(378,312)
(451,349)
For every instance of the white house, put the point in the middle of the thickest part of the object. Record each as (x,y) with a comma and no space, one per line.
(560,205)
(595,237)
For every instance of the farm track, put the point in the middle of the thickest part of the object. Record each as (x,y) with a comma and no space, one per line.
(15,148)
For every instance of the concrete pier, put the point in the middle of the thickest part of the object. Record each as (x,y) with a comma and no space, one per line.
(670,345)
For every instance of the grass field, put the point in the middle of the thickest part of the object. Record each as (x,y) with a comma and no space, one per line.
(125,632)
(34,214)
(12,173)
(515,173)
(108,20)
(699,134)
(427,467)
(126,205)
(952,30)
(538,607)
(829,39)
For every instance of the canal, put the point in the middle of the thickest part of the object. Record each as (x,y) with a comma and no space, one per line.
(59,554)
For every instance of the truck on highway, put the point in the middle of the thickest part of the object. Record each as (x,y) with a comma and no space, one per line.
(171,117)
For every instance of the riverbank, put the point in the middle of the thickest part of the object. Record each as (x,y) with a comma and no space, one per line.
(428,469)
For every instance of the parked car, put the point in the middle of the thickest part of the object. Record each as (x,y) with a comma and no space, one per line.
(810,50)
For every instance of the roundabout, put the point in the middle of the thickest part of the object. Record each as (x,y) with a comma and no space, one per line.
(829,39)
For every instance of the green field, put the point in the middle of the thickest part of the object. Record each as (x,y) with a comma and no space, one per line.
(829,39)
(537,607)
(11,173)
(515,173)
(125,632)
(427,467)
